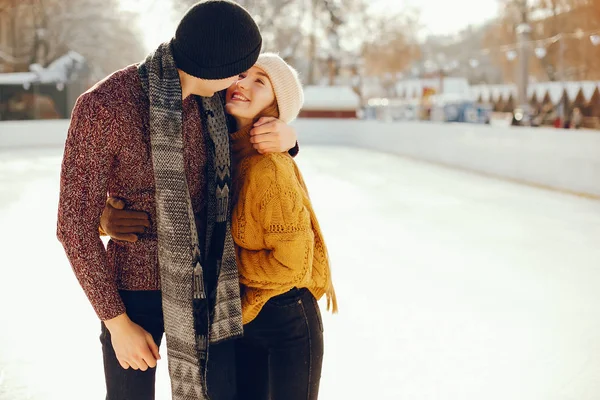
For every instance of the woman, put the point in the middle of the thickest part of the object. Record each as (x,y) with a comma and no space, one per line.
(282,258)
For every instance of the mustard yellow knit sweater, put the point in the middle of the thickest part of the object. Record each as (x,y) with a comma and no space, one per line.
(279,244)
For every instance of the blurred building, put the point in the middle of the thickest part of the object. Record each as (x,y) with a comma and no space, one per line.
(330,102)
(547,100)
(417,88)
(43,93)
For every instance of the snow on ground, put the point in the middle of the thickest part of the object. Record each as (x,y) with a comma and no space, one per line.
(452,286)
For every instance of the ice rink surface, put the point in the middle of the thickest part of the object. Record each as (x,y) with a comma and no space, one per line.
(452,286)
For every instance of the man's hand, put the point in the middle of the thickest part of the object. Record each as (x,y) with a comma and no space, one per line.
(271,135)
(122,224)
(134,347)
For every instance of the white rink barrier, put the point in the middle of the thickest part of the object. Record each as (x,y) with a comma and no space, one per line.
(567,160)
(31,134)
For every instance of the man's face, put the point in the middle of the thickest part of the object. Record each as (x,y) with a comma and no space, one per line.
(207,88)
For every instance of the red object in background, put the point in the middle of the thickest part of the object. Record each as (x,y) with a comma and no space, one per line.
(557,123)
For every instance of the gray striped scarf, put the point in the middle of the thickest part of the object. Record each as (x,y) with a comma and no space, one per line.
(193,318)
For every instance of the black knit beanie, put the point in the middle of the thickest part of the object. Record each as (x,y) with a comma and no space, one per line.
(216,39)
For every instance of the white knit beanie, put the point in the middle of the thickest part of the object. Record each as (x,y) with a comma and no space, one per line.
(286,85)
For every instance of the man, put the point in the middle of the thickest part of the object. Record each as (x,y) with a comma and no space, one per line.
(144,136)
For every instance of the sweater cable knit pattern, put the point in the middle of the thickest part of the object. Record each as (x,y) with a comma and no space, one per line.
(279,241)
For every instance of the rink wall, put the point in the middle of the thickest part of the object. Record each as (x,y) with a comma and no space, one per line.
(561,159)
(22,134)
(566,160)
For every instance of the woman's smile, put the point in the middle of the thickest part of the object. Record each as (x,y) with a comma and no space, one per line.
(238,96)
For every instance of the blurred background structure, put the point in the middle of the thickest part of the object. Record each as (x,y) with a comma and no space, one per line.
(537,60)
(452,153)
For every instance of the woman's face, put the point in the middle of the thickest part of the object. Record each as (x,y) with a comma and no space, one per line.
(249,95)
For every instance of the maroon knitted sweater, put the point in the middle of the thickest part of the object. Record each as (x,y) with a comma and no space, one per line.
(108,151)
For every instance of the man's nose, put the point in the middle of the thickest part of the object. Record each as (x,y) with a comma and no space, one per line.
(241,83)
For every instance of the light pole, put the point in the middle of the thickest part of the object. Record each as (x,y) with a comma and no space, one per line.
(562,105)
(523,34)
